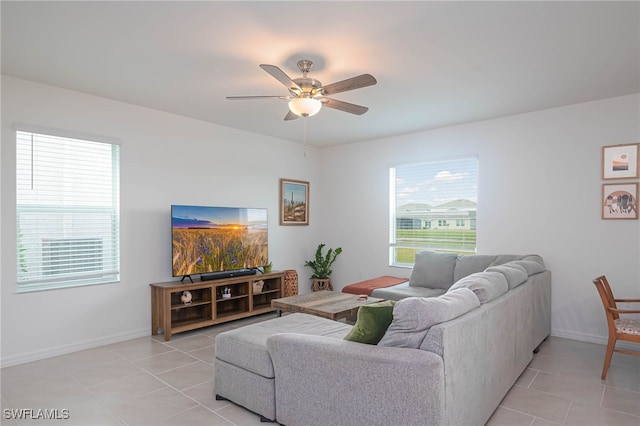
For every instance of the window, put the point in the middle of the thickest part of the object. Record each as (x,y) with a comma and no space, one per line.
(67,211)
(426,200)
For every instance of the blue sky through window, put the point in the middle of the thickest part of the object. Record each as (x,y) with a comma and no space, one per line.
(436,183)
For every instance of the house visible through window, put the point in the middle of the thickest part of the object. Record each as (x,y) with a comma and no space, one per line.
(432,207)
(67,211)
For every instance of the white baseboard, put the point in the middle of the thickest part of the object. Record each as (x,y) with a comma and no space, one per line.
(583,337)
(66,349)
(592,338)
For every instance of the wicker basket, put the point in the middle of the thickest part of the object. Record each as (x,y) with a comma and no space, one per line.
(257,286)
(290,282)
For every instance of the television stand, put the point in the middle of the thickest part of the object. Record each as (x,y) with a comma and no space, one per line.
(186,276)
(249,295)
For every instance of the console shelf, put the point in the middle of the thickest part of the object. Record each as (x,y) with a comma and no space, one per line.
(208,306)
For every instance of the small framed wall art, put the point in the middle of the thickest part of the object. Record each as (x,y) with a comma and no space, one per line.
(620,161)
(620,201)
(294,202)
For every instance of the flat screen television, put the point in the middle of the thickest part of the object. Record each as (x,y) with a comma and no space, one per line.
(208,240)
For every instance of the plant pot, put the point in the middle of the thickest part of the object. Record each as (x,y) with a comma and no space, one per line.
(321,284)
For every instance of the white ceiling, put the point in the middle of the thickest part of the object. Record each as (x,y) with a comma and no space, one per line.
(437,63)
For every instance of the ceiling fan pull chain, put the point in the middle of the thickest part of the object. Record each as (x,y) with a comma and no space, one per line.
(304,120)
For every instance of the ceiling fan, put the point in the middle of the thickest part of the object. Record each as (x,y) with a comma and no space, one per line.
(307,95)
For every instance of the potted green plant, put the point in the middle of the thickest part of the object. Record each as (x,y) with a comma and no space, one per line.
(321,267)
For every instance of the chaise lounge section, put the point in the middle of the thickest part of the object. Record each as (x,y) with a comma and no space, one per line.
(243,367)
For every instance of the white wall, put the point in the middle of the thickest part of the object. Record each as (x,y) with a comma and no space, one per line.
(165,159)
(539,192)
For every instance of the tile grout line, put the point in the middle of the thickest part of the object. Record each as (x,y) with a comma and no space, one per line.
(566,416)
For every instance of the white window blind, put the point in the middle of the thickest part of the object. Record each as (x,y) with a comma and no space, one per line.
(67,211)
(432,207)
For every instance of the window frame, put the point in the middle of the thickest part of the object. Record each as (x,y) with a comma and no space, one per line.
(66,243)
(430,224)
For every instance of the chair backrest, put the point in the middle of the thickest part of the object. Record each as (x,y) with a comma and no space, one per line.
(608,301)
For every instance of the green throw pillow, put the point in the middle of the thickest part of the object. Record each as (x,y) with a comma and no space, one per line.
(373,320)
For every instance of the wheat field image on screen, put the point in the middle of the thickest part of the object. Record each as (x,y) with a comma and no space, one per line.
(199,251)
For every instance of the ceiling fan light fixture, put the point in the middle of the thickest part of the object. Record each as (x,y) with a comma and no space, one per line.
(305,107)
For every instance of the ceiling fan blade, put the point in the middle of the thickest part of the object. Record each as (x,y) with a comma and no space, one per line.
(234,98)
(290,116)
(283,78)
(352,83)
(344,106)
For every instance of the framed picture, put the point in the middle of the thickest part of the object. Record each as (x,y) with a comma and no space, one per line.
(620,201)
(620,161)
(294,202)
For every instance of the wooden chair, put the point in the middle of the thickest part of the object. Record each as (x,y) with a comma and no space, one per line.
(619,329)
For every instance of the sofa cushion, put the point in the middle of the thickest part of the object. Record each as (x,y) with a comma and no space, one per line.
(513,272)
(373,321)
(246,347)
(404,290)
(413,316)
(467,264)
(532,267)
(433,269)
(485,285)
(535,258)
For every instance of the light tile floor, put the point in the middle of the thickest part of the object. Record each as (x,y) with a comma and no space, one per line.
(147,381)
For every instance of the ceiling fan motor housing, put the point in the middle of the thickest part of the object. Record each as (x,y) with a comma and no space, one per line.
(310,87)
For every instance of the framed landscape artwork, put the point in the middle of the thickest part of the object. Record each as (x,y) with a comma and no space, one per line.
(620,201)
(620,161)
(294,202)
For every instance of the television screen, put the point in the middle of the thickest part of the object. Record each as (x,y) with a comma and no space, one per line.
(214,239)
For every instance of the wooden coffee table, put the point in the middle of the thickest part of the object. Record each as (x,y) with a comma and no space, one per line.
(327,304)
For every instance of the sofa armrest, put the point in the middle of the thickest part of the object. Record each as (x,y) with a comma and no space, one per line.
(323,380)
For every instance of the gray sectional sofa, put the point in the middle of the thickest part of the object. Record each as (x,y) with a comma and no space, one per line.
(448,359)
